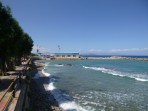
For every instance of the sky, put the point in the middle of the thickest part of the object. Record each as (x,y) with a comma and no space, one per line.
(114,27)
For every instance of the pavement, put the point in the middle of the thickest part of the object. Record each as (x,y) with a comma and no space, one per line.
(6,95)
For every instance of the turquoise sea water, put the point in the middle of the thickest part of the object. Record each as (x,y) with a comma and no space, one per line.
(99,85)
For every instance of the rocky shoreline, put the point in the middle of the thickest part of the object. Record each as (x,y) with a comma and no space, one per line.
(117,58)
(41,100)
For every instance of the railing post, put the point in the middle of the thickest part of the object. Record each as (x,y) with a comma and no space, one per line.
(13,89)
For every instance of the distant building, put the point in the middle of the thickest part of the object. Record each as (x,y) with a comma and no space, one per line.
(65,56)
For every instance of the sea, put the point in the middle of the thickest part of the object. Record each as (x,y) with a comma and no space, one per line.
(98,85)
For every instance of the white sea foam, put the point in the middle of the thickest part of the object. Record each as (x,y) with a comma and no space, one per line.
(138,77)
(51,87)
(46,64)
(89,101)
(45,73)
(61,98)
(59,65)
(71,106)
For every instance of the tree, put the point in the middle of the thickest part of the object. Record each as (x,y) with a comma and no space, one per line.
(14,43)
(5,34)
(27,44)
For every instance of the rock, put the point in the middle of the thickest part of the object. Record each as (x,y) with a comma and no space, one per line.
(40,99)
(67,64)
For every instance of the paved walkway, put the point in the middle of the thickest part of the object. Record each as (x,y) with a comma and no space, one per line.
(6,83)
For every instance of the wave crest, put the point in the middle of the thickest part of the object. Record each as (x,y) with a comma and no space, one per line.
(138,77)
(45,73)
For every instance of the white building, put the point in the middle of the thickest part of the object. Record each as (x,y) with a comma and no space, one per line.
(65,56)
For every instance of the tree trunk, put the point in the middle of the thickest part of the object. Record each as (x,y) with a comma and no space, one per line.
(3,65)
(0,66)
(10,64)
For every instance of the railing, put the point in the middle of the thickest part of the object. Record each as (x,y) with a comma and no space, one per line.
(6,98)
(9,100)
(26,87)
(4,102)
(7,89)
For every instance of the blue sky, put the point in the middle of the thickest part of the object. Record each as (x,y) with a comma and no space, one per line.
(85,26)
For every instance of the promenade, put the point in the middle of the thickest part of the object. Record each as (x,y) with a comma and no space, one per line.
(12,89)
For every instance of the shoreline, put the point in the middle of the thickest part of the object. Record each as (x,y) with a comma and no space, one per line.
(115,58)
(101,58)
(40,99)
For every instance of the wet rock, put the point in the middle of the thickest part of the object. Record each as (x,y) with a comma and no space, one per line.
(40,100)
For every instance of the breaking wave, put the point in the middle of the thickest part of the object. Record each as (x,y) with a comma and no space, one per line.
(138,77)
(63,99)
(45,73)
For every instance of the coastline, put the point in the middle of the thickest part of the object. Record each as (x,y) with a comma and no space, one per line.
(119,75)
(116,58)
(40,99)
(145,58)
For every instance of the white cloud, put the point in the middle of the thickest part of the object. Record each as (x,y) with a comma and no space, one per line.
(146,49)
(91,51)
(132,51)
(129,50)
(95,50)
